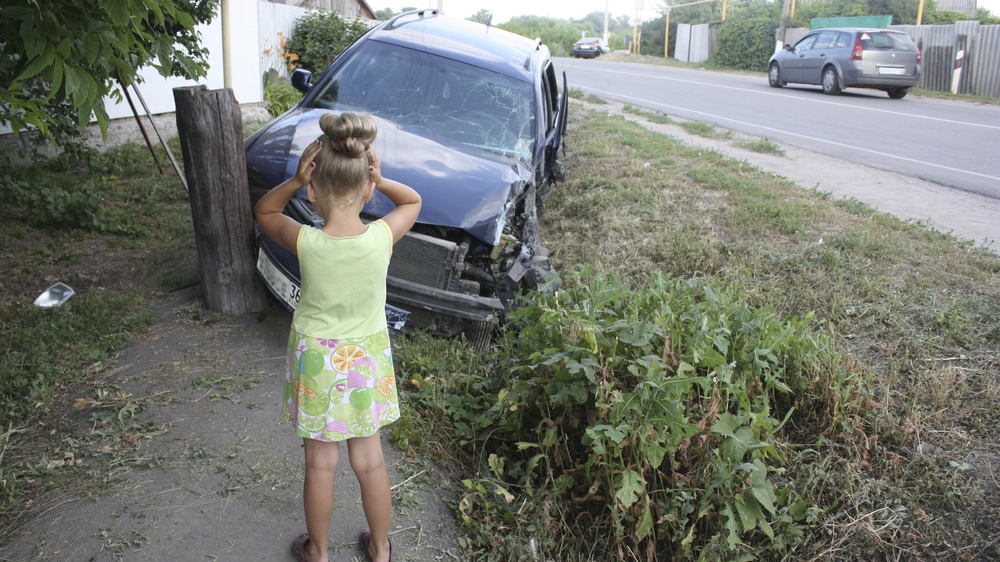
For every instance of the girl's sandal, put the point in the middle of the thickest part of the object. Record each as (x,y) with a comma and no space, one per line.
(299,547)
(364,539)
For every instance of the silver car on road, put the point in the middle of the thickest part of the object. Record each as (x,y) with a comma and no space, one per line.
(838,58)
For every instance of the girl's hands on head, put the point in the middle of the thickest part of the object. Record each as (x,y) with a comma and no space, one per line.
(306,164)
(375,167)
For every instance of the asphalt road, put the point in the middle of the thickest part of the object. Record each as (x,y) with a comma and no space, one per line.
(951,143)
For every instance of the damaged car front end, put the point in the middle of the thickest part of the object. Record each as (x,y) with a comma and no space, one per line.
(472,117)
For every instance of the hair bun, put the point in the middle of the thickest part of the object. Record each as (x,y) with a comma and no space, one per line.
(349,133)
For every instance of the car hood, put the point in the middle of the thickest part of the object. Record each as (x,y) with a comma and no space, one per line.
(461,187)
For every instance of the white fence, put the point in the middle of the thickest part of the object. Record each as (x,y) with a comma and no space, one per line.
(276,22)
(694,43)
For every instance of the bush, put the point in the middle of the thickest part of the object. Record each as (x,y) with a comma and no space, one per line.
(280,98)
(319,38)
(746,39)
(67,205)
(639,420)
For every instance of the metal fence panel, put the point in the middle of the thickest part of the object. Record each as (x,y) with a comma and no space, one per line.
(986,70)
(940,45)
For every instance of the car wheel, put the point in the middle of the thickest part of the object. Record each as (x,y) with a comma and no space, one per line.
(774,76)
(897,93)
(831,84)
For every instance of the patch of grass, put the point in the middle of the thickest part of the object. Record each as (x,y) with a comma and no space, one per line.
(576,93)
(763,146)
(651,116)
(114,262)
(705,130)
(896,460)
(591,98)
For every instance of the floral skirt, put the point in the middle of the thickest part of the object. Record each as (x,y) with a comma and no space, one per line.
(339,389)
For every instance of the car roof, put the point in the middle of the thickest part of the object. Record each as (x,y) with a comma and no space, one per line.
(465,41)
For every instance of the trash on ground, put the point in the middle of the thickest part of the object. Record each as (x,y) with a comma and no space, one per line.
(54,296)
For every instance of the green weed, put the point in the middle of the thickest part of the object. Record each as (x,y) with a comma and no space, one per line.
(896,326)
(763,146)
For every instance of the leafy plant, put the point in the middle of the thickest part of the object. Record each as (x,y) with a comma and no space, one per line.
(643,420)
(62,58)
(280,98)
(319,37)
(66,205)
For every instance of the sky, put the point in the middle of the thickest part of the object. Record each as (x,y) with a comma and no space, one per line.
(503,10)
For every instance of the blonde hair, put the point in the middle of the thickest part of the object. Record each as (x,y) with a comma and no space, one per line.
(341,171)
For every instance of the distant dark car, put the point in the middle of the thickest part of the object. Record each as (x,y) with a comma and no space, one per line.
(470,116)
(590,47)
(840,58)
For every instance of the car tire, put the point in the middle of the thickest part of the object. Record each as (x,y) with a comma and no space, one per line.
(774,76)
(831,82)
(897,93)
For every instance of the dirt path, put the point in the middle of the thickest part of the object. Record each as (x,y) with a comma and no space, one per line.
(223,482)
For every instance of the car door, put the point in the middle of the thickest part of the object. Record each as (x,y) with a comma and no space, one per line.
(792,66)
(816,57)
(556,131)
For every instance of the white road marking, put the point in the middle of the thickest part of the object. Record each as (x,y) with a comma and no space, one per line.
(842,145)
(766,93)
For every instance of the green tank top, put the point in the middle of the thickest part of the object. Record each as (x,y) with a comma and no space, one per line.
(343,282)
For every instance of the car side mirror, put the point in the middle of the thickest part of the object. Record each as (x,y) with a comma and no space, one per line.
(787,48)
(302,80)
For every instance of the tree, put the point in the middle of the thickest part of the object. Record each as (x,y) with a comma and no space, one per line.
(559,35)
(385,14)
(60,58)
(319,37)
(483,16)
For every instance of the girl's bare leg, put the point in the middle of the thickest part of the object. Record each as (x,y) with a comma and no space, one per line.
(317,495)
(376,498)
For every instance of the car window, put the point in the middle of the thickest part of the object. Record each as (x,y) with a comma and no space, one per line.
(843,40)
(441,97)
(806,42)
(826,40)
(880,40)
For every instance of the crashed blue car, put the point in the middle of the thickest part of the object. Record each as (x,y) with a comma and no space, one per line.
(473,118)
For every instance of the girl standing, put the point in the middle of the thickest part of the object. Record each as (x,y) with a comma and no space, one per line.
(340,383)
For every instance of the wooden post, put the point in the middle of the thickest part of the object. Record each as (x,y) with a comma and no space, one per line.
(210,128)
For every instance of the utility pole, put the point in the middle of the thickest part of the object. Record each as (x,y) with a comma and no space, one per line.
(780,39)
(606,20)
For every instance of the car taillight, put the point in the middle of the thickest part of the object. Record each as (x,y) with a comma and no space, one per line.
(918,55)
(858,50)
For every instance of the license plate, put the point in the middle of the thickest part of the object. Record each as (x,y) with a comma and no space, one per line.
(286,289)
(891,70)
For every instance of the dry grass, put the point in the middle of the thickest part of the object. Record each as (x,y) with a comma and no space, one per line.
(916,309)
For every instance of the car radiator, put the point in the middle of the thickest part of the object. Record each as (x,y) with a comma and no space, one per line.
(427,260)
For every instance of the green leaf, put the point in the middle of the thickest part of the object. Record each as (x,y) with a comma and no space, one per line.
(764,493)
(36,66)
(726,425)
(749,511)
(645,525)
(632,486)
(732,538)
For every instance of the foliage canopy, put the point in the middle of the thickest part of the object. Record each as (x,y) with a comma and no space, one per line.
(319,37)
(61,58)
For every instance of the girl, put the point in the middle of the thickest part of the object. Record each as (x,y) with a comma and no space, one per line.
(340,384)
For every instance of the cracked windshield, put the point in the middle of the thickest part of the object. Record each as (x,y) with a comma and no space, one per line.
(439,96)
